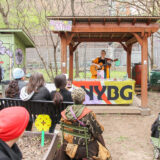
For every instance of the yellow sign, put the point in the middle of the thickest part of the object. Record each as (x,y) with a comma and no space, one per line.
(122,92)
(107,92)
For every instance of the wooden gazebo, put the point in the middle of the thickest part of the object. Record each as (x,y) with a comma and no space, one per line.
(125,30)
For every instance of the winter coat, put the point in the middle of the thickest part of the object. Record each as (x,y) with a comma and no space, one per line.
(7,153)
(42,94)
(65,94)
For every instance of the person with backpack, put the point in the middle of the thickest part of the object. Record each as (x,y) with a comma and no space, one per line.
(74,147)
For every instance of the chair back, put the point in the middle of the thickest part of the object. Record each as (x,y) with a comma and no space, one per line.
(76,131)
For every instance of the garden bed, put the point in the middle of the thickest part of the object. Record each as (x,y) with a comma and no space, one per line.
(30,145)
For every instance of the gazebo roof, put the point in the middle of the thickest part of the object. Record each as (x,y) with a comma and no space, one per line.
(132,19)
(109,28)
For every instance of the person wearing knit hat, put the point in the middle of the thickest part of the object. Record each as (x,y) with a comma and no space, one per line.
(18,75)
(74,147)
(13,122)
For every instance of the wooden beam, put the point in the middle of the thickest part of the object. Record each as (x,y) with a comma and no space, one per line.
(123,36)
(89,21)
(100,35)
(74,21)
(63,53)
(144,73)
(75,46)
(139,39)
(111,35)
(148,21)
(104,21)
(134,21)
(131,41)
(129,50)
(69,37)
(124,46)
(119,21)
(108,27)
(99,39)
(77,34)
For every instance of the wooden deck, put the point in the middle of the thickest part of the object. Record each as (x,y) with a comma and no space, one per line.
(134,108)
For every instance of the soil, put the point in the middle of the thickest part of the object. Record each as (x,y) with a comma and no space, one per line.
(128,136)
(31,147)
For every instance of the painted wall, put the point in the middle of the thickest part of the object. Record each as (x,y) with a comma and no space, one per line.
(6,54)
(10,44)
(19,45)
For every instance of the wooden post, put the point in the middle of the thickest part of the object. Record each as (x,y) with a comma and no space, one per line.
(143,41)
(144,75)
(129,50)
(63,54)
(71,61)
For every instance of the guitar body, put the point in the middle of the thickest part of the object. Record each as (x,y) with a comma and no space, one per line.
(94,68)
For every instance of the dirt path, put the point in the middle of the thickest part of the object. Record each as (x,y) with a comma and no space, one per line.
(128,136)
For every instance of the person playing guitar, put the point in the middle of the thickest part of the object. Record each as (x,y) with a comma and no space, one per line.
(101,63)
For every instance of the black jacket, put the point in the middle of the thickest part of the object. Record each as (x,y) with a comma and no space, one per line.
(154,129)
(65,94)
(21,84)
(42,94)
(7,153)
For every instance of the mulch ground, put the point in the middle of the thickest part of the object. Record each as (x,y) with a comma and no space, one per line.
(128,136)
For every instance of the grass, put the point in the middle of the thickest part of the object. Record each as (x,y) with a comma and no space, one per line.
(122,139)
(114,74)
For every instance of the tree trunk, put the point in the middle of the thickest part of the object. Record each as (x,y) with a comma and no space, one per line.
(152,52)
(55,59)
(72,7)
(77,63)
(5,20)
(76,52)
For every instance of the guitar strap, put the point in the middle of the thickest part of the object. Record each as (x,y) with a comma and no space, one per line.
(105,70)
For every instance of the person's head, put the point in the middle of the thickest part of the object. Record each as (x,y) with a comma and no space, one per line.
(78,95)
(13,122)
(36,81)
(103,53)
(60,83)
(13,89)
(69,83)
(18,74)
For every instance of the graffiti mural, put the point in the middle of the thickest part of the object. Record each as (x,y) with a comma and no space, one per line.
(7,51)
(19,56)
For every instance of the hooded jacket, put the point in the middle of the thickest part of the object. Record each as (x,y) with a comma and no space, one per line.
(24,95)
(41,94)
(7,153)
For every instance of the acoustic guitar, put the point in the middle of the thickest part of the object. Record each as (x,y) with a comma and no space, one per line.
(95,67)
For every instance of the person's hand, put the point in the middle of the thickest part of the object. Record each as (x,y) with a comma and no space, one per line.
(98,66)
(109,61)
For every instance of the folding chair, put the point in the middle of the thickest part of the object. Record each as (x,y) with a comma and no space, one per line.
(76,131)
